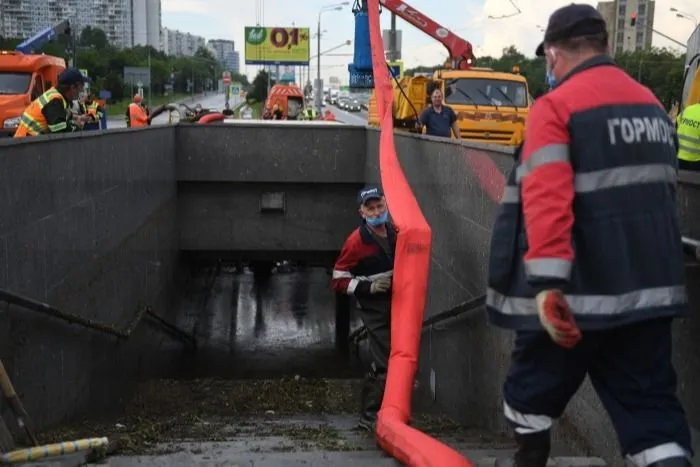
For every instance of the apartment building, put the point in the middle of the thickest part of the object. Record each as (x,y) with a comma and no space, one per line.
(146,20)
(225,52)
(180,44)
(625,37)
(125,22)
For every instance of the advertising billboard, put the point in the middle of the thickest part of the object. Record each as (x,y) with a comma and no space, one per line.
(282,46)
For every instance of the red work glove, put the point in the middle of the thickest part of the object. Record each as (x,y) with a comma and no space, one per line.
(557,319)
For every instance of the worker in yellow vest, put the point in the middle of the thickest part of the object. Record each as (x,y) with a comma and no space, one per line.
(688,129)
(51,112)
(94,111)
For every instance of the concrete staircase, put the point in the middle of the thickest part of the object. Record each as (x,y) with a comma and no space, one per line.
(314,441)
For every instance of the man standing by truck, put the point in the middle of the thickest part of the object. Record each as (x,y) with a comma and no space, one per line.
(364,269)
(438,119)
(586,262)
(51,112)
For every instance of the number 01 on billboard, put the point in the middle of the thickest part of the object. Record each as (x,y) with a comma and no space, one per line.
(282,46)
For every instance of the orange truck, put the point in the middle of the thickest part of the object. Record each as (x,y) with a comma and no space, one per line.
(25,75)
(289,98)
(23,78)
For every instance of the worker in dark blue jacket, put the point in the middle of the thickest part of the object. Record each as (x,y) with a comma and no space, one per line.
(586,257)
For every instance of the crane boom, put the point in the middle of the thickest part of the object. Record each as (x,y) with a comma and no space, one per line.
(44,36)
(460,50)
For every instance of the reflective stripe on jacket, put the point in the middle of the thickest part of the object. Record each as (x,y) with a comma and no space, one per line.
(361,260)
(689,134)
(33,122)
(590,208)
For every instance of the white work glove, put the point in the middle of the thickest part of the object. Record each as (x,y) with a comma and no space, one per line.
(380,285)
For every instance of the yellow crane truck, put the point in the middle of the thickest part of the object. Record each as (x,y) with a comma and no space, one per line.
(491,106)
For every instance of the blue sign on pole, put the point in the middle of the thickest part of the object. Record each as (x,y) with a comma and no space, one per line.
(105,94)
(361,79)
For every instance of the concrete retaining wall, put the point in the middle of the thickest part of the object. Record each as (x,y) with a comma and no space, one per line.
(224,169)
(87,223)
(468,357)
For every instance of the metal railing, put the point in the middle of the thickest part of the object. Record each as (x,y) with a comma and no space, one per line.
(691,247)
(361,333)
(108,329)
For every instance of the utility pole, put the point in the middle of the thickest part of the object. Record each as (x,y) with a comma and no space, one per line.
(319,90)
(149,77)
(392,39)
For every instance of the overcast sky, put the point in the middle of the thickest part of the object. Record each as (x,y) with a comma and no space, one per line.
(225,19)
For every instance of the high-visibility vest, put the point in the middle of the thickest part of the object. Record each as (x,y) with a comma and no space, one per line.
(136,115)
(33,122)
(688,130)
(93,109)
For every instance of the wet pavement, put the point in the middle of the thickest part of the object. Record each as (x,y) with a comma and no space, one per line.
(248,327)
(266,386)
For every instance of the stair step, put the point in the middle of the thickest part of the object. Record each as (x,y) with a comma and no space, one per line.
(296,440)
(220,457)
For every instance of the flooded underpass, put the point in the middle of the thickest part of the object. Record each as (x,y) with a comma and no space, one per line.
(263,320)
(267,382)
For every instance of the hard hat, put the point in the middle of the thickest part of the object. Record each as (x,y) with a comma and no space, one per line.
(137,98)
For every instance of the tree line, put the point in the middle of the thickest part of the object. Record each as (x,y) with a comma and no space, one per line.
(661,70)
(105,64)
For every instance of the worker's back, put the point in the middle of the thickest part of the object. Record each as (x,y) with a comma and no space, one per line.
(616,208)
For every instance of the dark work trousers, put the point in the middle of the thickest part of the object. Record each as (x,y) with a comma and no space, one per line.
(631,370)
(375,314)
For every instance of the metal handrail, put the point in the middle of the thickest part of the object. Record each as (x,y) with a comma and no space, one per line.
(460,309)
(361,333)
(691,247)
(109,329)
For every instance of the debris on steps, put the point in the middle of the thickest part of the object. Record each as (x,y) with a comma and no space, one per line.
(282,422)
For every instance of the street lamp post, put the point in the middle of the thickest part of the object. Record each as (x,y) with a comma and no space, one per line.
(319,90)
(688,16)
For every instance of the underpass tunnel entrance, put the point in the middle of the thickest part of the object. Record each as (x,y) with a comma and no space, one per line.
(262,316)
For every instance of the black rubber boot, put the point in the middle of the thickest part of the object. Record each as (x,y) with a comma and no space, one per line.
(672,462)
(533,449)
(372,395)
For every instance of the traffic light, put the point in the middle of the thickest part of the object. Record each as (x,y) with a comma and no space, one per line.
(633,19)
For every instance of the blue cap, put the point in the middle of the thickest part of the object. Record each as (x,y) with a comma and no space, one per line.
(71,76)
(368,193)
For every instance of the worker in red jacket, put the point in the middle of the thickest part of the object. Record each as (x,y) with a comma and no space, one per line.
(364,270)
(586,260)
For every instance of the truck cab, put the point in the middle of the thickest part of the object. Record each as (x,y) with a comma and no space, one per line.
(491,106)
(691,86)
(288,98)
(23,78)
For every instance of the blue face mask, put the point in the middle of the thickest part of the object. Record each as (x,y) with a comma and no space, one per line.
(551,80)
(379,220)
